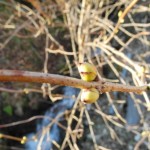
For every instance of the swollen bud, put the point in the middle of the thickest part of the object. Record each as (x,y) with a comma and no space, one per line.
(88,72)
(89,95)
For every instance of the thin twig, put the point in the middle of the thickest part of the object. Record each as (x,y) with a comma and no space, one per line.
(121,18)
(139,143)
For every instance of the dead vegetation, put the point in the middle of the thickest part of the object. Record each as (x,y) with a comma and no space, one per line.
(51,36)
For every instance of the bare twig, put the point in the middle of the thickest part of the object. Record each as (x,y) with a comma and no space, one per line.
(24,121)
(10,137)
(121,18)
(137,146)
(25,90)
(101,85)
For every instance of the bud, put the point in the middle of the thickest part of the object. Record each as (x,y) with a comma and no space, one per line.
(89,95)
(88,72)
(24,140)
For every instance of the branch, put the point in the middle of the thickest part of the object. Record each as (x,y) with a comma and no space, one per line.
(36,77)
(128,8)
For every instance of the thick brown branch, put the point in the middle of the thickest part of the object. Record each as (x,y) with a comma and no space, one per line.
(26,76)
(108,87)
(102,86)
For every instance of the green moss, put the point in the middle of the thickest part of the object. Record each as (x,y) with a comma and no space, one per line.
(8,110)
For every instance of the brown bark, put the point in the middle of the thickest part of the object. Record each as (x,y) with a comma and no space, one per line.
(36,77)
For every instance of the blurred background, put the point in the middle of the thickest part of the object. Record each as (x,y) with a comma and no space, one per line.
(50,36)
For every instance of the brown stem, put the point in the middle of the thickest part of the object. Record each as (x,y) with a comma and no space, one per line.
(102,86)
(10,137)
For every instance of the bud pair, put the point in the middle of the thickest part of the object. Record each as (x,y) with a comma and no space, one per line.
(88,72)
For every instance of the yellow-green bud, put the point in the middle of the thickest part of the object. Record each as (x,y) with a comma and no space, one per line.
(88,72)
(89,95)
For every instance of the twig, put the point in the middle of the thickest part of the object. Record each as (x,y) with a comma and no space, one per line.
(25,90)
(10,137)
(120,19)
(36,77)
(137,146)
(91,129)
(58,51)
(24,121)
(80,31)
